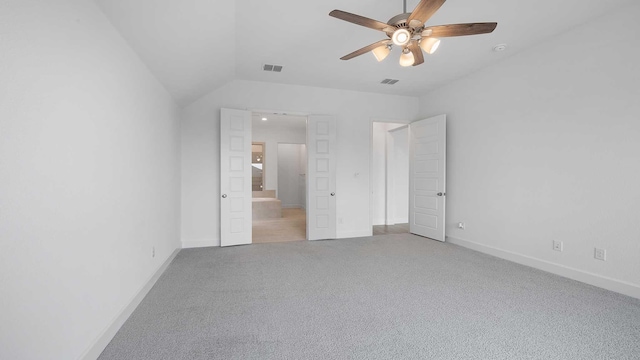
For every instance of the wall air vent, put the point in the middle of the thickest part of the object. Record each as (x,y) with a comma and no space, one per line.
(389,81)
(273,68)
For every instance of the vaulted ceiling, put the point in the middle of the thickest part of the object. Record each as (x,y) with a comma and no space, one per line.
(196,46)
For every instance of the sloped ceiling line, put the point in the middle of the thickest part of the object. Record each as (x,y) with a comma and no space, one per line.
(195,46)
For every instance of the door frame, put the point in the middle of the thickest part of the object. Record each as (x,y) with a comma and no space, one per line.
(306,115)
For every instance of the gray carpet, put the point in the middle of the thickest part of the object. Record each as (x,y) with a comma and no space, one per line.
(382,297)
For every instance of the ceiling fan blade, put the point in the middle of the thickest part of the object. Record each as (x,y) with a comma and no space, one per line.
(365,49)
(459,29)
(417,53)
(425,10)
(415,24)
(359,20)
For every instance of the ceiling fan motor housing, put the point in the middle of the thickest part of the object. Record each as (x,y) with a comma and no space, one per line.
(399,20)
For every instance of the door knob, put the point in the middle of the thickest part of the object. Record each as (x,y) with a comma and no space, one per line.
(441,194)
(333,194)
(224,196)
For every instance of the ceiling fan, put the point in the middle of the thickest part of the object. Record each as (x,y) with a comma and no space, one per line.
(408,31)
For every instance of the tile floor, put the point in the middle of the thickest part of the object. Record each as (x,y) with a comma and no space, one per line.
(390,229)
(291,227)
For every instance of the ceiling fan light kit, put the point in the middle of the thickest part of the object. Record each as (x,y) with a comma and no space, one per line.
(381,52)
(408,31)
(429,45)
(407,58)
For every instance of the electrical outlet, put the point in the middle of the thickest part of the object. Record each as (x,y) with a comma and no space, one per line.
(153,252)
(600,254)
(461,225)
(558,245)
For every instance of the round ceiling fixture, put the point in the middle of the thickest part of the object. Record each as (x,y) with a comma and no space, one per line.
(401,37)
(500,47)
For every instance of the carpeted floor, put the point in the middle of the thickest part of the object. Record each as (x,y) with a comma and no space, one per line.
(383,297)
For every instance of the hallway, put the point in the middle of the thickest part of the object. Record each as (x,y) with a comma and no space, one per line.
(291,227)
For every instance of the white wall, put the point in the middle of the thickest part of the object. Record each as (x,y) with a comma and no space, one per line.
(546,146)
(353,111)
(398,171)
(291,171)
(89,174)
(272,132)
(379,165)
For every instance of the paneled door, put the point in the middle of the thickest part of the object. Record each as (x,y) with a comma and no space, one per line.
(321,177)
(427,187)
(235,177)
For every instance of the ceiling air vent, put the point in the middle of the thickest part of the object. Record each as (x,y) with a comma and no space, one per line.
(274,68)
(389,81)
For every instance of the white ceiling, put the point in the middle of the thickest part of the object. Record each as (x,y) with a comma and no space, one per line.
(195,46)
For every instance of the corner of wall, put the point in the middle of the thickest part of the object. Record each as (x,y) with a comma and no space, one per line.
(99,344)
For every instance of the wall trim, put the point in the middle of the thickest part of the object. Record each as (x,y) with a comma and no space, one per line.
(98,345)
(604,282)
(399,221)
(354,234)
(188,244)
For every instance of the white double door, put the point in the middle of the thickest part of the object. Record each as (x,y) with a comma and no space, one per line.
(427,186)
(235,177)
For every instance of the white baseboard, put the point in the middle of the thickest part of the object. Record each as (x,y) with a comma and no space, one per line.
(98,345)
(604,282)
(188,244)
(353,234)
(400,221)
(389,221)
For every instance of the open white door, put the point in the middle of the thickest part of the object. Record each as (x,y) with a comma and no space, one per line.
(235,177)
(427,166)
(321,177)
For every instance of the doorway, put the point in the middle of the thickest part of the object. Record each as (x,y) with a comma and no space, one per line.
(278,203)
(237,197)
(390,178)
